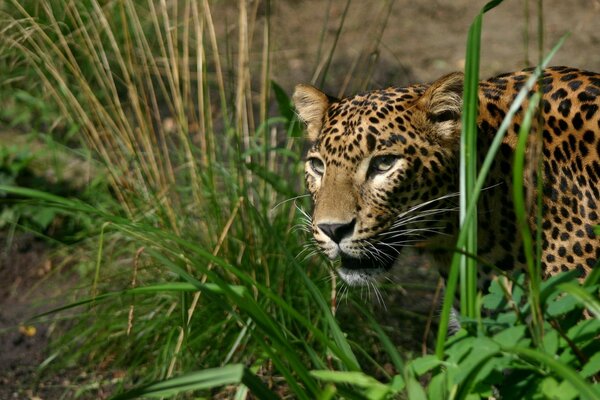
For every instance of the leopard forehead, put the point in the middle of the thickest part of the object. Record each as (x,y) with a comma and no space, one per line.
(376,121)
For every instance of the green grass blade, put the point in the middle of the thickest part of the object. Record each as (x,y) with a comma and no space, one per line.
(148,289)
(520,212)
(468,171)
(235,374)
(385,340)
(345,351)
(468,161)
(483,171)
(594,276)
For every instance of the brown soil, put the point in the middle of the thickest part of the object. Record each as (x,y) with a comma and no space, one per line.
(24,261)
(424,40)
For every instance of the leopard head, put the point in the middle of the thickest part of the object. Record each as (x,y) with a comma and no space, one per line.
(381,169)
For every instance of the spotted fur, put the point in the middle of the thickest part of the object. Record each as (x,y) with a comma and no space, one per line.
(382,169)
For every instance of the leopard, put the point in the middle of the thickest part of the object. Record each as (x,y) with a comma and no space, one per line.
(382,169)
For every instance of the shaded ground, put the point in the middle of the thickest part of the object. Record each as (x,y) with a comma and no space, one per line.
(422,41)
(27,268)
(24,261)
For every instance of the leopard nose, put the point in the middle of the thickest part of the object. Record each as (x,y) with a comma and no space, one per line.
(338,231)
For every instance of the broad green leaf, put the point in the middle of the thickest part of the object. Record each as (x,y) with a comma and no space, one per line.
(482,349)
(592,366)
(551,341)
(415,390)
(550,387)
(561,304)
(584,296)
(460,349)
(424,364)
(437,386)
(494,299)
(397,383)
(549,286)
(510,336)
(584,331)
(566,391)
(372,387)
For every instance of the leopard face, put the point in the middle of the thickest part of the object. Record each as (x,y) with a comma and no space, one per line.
(382,170)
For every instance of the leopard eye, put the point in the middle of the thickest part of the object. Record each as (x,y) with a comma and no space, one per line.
(316,165)
(381,164)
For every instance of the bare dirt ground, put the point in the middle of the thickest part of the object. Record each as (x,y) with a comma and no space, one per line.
(422,40)
(24,262)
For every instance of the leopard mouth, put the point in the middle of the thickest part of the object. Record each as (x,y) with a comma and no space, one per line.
(361,271)
(357,264)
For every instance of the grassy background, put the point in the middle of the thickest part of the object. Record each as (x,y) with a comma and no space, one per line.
(192,237)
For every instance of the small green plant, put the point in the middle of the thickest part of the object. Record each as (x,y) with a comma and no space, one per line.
(497,356)
(15,169)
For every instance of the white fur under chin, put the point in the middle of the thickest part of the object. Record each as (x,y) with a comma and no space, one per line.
(360,277)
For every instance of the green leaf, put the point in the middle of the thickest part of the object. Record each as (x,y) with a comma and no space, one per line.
(424,364)
(43,216)
(510,336)
(459,349)
(592,366)
(494,299)
(437,386)
(415,390)
(397,383)
(482,349)
(373,388)
(549,286)
(583,296)
(551,340)
(561,304)
(328,393)
(550,388)
(584,331)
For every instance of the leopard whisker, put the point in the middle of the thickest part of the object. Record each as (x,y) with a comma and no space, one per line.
(288,200)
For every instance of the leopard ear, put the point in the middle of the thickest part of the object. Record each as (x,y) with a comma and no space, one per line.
(442,103)
(311,105)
